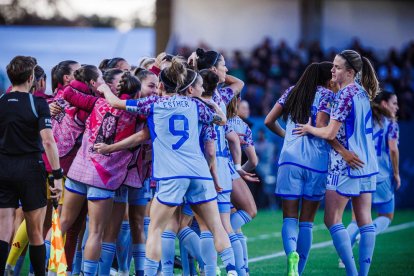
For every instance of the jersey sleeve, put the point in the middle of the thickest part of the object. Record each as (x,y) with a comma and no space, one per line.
(342,106)
(326,100)
(208,133)
(205,113)
(43,112)
(80,100)
(141,106)
(226,94)
(248,138)
(393,131)
(284,96)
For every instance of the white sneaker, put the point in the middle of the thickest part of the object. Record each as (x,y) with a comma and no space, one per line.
(340,263)
(123,273)
(232,273)
(113,272)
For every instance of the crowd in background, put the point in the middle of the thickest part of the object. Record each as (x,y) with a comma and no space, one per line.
(271,68)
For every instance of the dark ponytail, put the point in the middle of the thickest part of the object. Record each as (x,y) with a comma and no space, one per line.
(377,110)
(86,73)
(110,63)
(206,59)
(210,82)
(63,68)
(299,101)
(129,84)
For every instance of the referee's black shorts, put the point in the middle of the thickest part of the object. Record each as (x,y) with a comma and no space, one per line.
(22,178)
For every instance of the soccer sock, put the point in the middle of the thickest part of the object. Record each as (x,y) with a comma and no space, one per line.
(366,248)
(4,250)
(90,267)
(184,259)
(304,244)
(239,218)
(191,242)
(72,236)
(238,254)
(147,221)
(227,257)
(381,223)
(138,252)
(20,241)
(208,253)
(353,231)
(107,256)
(290,234)
(76,267)
(168,252)
(47,246)
(342,244)
(150,267)
(243,242)
(122,246)
(195,227)
(37,255)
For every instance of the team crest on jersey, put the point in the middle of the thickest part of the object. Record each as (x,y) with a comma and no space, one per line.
(107,131)
(62,104)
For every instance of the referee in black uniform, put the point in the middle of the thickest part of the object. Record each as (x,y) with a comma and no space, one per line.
(24,126)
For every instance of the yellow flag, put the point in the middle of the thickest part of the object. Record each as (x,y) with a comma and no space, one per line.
(57,260)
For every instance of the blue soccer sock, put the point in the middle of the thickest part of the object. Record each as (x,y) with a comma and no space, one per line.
(208,253)
(191,241)
(227,257)
(381,223)
(366,248)
(353,231)
(122,246)
(195,227)
(304,244)
(107,257)
(90,267)
(238,254)
(168,252)
(290,234)
(243,242)
(147,221)
(239,218)
(138,252)
(76,267)
(184,259)
(342,244)
(150,267)
(47,246)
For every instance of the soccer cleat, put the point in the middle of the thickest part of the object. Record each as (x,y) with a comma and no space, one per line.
(293,261)
(340,263)
(231,273)
(218,271)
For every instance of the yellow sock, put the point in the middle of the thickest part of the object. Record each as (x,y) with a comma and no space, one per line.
(20,241)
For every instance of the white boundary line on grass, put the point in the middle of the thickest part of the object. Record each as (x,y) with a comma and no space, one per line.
(391,229)
(279,234)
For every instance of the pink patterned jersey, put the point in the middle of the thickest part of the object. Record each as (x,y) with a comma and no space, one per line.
(104,125)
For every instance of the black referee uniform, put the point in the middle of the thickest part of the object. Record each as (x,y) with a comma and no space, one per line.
(22,171)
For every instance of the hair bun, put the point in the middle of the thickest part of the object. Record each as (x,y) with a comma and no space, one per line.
(200,52)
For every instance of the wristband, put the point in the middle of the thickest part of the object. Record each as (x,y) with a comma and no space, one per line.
(57,174)
(238,167)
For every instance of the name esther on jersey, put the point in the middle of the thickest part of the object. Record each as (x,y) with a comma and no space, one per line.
(175,104)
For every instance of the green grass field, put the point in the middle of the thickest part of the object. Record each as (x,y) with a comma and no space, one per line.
(393,251)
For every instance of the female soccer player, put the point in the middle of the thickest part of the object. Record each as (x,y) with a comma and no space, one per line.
(176,156)
(303,161)
(351,124)
(386,133)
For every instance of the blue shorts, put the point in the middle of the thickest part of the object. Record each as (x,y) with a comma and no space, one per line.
(384,192)
(121,194)
(224,203)
(138,196)
(196,191)
(347,186)
(224,174)
(385,207)
(294,182)
(91,192)
(186,210)
(234,174)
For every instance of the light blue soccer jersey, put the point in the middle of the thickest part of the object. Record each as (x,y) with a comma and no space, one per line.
(383,133)
(307,151)
(358,129)
(174,124)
